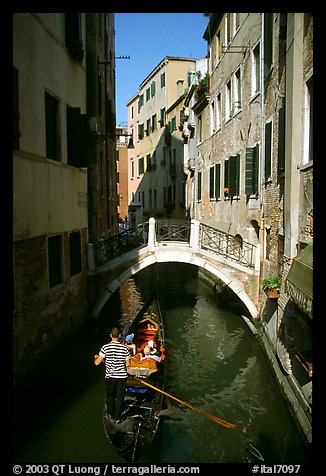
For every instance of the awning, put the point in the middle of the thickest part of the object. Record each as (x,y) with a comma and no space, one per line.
(299,280)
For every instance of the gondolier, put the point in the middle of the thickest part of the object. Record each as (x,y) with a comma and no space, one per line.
(116,357)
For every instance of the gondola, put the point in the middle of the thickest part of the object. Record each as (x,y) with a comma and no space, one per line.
(141,414)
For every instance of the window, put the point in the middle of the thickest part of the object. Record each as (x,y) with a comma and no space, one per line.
(281,141)
(140,165)
(255,70)
(140,102)
(140,131)
(75,253)
(211,182)
(217,180)
(55,260)
(191,77)
(232,176)
(163,79)
(148,127)
(131,112)
(268,41)
(200,128)
(308,122)
(228,99)
(218,111)
(132,169)
(15,115)
(148,94)
(73,30)
(199,184)
(268,149)
(236,22)
(173,123)
(227,29)
(148,162)
(154,123)
(252,170)
(237,91)
(162,116)
(213,118)
(153,88)
(52,127)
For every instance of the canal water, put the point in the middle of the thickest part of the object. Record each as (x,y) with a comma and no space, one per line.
(214,363)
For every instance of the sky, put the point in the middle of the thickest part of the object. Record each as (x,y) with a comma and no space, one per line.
(147,38)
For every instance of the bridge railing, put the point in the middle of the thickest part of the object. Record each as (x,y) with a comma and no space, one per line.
(229,246)
(127,240)
(198,235)
(172,230)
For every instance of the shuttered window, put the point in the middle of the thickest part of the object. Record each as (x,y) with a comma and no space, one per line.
(199,186)
(281,141)
(268,150)
(217,180)
(214,181)
(252,171)
(211,182)
(232,176)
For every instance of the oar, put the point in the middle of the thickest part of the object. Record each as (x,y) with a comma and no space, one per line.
(198,410)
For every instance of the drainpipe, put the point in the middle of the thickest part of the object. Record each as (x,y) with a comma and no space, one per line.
(262,160)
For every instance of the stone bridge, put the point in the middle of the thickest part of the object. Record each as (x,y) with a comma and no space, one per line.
(231,262)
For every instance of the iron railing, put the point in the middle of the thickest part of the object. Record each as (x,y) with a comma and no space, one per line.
(127,240)
(172,230)
(210,239)
(229,246)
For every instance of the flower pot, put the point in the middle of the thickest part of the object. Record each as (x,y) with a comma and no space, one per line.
(272,293)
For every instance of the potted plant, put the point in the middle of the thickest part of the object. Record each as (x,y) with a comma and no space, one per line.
(272,286)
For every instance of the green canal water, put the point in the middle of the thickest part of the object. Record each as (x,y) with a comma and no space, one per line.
(213,362)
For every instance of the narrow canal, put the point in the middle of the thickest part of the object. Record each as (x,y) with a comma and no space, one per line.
(214,363)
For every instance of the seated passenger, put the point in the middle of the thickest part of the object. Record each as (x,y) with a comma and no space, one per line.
(130,345)
(150,354)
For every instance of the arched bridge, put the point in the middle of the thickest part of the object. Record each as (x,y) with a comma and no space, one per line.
(233,261)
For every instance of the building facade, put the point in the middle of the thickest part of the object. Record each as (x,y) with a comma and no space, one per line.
(253,170)
(156,176)
(57,173)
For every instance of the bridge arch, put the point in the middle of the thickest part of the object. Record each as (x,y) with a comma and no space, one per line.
(181,256)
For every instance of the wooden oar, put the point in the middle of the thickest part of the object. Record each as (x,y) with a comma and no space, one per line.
(198,410)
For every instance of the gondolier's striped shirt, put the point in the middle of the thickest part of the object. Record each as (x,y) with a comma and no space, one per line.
(115,356)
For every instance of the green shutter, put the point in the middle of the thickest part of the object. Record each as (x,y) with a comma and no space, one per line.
(268,150)
(211,182)
(226,179)
(256,173)
(250,171)
(281,141)
(232,175)
(199,187)
(217,180)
